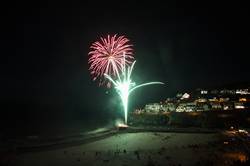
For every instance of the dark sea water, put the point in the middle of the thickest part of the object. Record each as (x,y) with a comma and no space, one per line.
(51,128)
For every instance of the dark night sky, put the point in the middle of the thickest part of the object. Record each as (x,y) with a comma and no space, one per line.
(187,45)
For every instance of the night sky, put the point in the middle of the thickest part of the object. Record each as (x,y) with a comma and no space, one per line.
(45,51)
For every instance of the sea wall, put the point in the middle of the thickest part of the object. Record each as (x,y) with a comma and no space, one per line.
(211,119)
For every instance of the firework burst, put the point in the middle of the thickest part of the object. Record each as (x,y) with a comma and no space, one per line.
(107,56)
(124,86)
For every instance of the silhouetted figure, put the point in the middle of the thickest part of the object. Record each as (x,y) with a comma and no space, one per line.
(137,155)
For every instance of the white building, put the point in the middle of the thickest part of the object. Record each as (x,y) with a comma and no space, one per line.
(186,107)
(242,91)
(216,105)
(239,105)
(153,108)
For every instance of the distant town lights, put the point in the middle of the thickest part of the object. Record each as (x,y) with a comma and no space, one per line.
(204,92)
(242,91)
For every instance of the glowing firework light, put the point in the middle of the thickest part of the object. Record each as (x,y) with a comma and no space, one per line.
(124,85)
(106,57)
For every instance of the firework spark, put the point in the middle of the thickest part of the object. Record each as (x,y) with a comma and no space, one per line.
(124,85)
(106,57)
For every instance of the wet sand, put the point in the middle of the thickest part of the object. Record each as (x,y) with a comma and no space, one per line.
(134,149)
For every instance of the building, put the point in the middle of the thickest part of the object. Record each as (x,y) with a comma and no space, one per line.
(242,91)
(228,105)
(202,106)
(153,108)
(186,107)
(204,92)
(180,108)
(215,91)
(227,92)
(216,105)
(239,105)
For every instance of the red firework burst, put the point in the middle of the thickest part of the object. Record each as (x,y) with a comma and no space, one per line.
(107,57)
